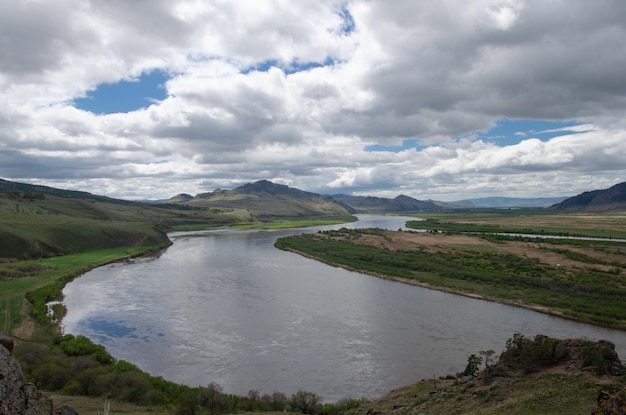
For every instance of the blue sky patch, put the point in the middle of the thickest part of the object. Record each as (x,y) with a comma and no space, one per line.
(509,132)
(505,133)
(348,25)
(125,96)
(406,145)
(291,68)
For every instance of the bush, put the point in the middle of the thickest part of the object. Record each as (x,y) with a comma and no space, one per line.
(305,402)
(530,354)
(82,346)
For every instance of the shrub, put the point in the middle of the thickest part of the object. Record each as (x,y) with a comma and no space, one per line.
(305,402)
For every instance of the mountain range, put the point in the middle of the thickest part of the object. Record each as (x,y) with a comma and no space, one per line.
(265,200)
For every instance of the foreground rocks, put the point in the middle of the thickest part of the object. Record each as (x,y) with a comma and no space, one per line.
(17,396)
(611,404)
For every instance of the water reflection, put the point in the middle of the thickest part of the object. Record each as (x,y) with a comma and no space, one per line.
(227,307)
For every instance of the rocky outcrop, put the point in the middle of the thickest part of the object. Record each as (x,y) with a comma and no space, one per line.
(577,355)
(7,342)
(611,404)
(17,396)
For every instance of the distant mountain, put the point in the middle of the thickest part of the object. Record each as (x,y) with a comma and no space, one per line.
(613,198)
(371,204)
(180,198)
(265,199)
(508,202)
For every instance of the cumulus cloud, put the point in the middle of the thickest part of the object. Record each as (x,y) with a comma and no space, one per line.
(296,92)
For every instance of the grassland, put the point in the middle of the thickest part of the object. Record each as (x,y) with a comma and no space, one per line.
(582,280)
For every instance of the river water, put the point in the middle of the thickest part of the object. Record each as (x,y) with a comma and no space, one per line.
(225,306)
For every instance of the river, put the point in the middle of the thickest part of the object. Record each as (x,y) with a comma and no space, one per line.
(225,306)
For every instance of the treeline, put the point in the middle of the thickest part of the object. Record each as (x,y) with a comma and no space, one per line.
(73,365)
(589,294)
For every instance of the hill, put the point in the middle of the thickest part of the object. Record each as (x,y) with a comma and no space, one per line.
(508,202)
(381,205)
(40,221)
(613,198)
(267,200)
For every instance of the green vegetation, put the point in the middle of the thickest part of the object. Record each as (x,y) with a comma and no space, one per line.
(591,294)
(41,225)
(296,222)
(553,394)
(526,221)
(74,366)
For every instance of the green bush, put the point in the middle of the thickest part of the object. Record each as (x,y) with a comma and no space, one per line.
(305,402)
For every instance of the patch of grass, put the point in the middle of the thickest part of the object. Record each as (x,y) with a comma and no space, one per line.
(545,394)
(93,405)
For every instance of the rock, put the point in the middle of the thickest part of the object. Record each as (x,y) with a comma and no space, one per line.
(616,370)
(610,404)
(6,341)
(466,379)
(17,396)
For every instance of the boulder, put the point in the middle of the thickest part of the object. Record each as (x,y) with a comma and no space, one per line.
(17,396)
(610,404)
(6,341)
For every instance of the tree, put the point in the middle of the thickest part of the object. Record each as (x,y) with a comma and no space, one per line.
(305,402)
(213,399)
(473,365)
(488,356)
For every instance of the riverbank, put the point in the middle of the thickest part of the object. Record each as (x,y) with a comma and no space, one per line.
(43,280)
(540,309)
(569,279)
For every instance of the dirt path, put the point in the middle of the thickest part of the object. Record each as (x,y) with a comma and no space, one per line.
(27,328)
(7,315)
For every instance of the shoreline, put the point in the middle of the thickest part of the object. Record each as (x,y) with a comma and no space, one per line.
(408,281)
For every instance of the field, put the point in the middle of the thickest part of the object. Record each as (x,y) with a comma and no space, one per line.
(577,279)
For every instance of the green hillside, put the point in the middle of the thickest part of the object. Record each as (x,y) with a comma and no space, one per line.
(38,221)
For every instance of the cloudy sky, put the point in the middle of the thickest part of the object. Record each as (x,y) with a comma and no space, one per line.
(441,99)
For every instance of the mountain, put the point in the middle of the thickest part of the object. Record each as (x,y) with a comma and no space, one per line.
(613,198)
(264,199)
(371,204)
(180,198)
(507,202)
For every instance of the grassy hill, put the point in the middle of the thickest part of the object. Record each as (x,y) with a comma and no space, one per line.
(39,221)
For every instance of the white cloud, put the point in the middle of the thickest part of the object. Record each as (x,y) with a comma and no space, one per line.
(431,71)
